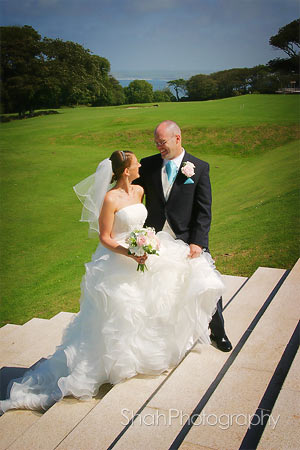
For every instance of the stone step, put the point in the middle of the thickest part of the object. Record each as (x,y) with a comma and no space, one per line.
(179,396)
(286,434)
(128,397)
(248,377)
(52,427)
(104,422)
(62,317)
(36,339)
(14,423)
(12,336)
(22,337)
(6,331)
(232,285)
(64,416)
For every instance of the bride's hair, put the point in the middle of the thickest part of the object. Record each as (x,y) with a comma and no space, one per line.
(119,161)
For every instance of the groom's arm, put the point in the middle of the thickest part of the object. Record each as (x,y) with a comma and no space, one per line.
(201,217)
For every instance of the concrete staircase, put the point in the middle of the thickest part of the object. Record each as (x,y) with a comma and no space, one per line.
(206,402)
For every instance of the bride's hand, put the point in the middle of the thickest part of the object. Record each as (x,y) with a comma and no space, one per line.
(140,259)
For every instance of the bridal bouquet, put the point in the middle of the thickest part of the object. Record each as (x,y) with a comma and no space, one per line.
(143,241)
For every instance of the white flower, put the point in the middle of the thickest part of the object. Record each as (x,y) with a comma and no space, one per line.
(137,251)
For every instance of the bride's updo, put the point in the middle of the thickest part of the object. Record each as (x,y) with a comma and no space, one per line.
(120,161)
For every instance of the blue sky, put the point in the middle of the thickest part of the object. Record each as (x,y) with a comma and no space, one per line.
(199,36)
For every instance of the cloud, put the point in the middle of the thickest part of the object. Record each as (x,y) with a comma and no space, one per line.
(203,34)
(48,3)
(144,6)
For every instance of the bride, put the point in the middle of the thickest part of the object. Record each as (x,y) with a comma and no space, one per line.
(129,322)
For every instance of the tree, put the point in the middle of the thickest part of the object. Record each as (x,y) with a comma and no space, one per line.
(139,91)
(39,73)
(116,92)
(201,87)
(179,87)
(79,75)
(112,93)
(288,40)
(21,68)
(263,80)
(163,96)
(232,82)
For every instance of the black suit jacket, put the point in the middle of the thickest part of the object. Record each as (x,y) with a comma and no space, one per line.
(188,208)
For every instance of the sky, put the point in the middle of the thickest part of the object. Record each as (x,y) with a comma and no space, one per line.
(161,36)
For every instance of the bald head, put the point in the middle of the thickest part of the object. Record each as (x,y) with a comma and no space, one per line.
(167,136)
(168,126)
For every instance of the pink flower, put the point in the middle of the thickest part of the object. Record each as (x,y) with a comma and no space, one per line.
(141,240)
(188,169)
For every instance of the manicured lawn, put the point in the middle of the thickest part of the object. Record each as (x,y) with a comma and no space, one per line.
(251,143)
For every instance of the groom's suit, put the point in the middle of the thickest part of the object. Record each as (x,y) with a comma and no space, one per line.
(187,209)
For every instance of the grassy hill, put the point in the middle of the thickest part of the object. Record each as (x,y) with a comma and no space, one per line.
(251,143)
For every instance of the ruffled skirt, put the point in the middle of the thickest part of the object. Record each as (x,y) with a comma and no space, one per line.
(129,322)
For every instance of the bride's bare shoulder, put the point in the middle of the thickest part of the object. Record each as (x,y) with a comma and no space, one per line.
(111,194)
(111,198)
(138,190)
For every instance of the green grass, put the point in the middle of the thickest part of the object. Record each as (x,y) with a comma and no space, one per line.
(251,143)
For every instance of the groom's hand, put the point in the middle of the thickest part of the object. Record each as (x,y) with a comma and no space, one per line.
(195,251)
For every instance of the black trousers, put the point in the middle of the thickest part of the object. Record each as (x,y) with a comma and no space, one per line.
(217,322)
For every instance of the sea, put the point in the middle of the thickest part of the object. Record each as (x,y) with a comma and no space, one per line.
(158,78)
(158,85)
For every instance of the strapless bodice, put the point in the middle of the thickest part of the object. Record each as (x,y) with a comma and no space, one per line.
(128,219)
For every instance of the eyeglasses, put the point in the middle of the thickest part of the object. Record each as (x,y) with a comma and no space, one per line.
(160,144)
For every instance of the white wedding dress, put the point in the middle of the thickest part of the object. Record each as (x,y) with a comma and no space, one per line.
(129,322)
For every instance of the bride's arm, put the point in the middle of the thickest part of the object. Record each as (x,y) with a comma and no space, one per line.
(106,220)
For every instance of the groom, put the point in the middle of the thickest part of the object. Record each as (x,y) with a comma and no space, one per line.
(180,203)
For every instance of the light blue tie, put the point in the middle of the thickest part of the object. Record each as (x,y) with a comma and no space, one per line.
(171,170)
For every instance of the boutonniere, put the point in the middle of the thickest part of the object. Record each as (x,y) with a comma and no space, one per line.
(188,170)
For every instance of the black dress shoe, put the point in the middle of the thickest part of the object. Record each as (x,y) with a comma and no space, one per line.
(223,343)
